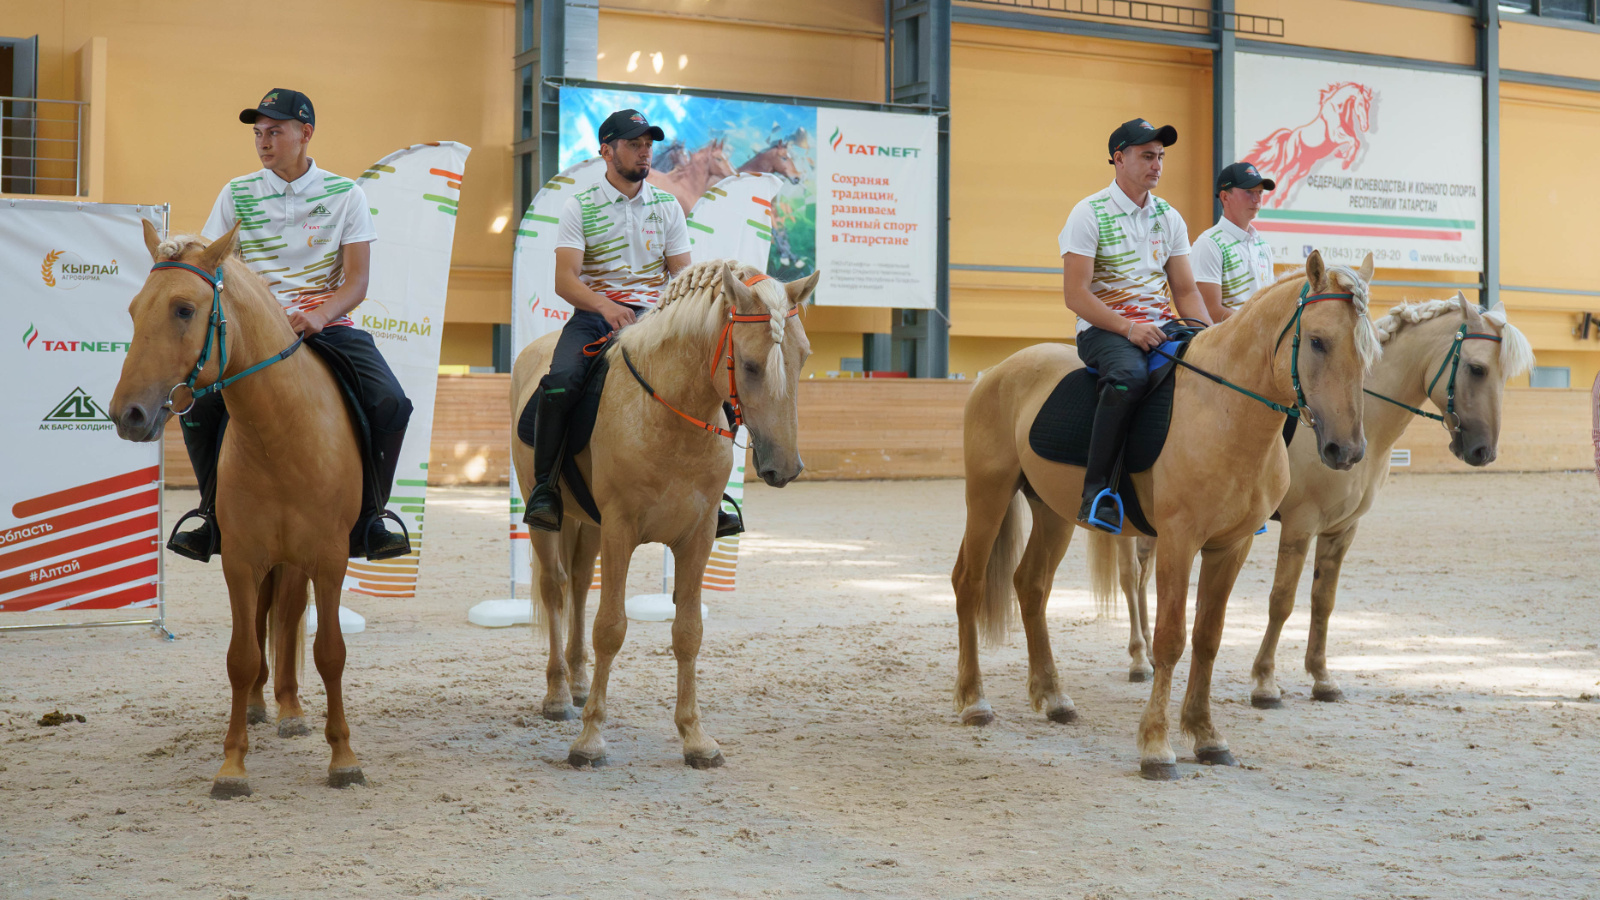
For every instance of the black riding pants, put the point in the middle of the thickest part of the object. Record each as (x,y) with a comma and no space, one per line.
(387,409)
(568,364)
(1119,362)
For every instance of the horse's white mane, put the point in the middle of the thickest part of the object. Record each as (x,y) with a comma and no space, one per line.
(174,247)
(696,303)
(1367,344)
(1516,353)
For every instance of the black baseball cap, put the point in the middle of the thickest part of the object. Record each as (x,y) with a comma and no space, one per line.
(1242,175)
(626,124)
(281,103)
(1139,131)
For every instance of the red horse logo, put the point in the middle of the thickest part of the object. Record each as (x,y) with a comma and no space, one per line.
(1344,115)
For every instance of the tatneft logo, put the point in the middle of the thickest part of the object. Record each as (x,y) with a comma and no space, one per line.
(77,412)
(31,341)
(67,270)
(837,138)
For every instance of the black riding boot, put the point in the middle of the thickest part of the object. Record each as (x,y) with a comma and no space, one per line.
(549,438)
(1111,420)
(202,436)
(381,543)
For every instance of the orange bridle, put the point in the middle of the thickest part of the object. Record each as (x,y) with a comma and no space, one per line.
(723,352)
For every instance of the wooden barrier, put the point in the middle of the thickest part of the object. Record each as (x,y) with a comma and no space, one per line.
(911,428)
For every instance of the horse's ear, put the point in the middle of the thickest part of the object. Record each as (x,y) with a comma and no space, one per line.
(734,288)
(220,249)
(1461,301)
(798,291)
(1315,270)
(152,241)
(1366,269)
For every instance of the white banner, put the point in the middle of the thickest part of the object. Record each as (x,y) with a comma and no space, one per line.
(733,220)
(79,507)
(877,209)
(413,193)
(1366,159)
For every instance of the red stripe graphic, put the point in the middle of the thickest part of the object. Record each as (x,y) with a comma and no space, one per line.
(60,546)
(139,594)
(21,534)
(70,567)
(1317,228)
(450,175)
(146,569)
(91,491)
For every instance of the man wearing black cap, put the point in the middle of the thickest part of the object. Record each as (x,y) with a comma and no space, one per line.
(1124,252)
(1231,259)
(610,271)
(306,232)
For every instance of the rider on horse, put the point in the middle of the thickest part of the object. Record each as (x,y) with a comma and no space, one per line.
(307,233)
(1231,259)
(619,241)
(1124,252)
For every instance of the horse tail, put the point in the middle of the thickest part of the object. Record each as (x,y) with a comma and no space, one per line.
(997,615)
(286,595)
(1106,554)
(1269,153)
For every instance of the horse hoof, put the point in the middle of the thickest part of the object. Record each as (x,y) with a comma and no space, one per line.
(714,761)
(1138,676)
(564,712)
(579,700)
(1215,757)
(978,714)
(1327,694)
(343,778)
(583,761)
(1154,771)
(255,714)
(1266,702)
(1062,715)
(294,726)
(229,787)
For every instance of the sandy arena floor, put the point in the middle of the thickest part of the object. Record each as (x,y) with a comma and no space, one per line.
(1462,764)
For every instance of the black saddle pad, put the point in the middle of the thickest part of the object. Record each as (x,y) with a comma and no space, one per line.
(344,373)
(1060,432)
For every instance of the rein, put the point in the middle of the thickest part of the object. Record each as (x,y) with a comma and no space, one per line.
(724,351)
(217,327)
(1295,411)
(1453,360)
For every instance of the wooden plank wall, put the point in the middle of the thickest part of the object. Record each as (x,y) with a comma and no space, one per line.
(911,428)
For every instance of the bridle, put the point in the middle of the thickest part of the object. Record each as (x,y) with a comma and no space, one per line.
(1301,410)
(1450,420)
(723,352)
(216,327)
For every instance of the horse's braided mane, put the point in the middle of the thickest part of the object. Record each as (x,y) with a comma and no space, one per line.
(1367,342)
(1516,353)
(695,302)
(174,247)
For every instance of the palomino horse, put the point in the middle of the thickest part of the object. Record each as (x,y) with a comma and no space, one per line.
(288,481)
(1344,114)
(723,333)
(1443,351)
(1221,473)
(691,175)
(775,159)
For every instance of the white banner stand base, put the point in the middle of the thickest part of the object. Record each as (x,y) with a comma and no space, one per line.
(655,608)
(350,621)
(501,613)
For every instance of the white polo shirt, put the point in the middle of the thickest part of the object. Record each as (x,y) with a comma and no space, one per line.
(1130,246)
(1239,260)
(292,231)
(625,242)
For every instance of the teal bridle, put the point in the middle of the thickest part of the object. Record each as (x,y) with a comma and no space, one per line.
(1452,360)
(217,330)
(1300,410)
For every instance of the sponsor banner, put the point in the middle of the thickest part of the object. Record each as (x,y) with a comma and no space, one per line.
(79,507)
(413,193)
(732,220)
(859,189)
(1361,164)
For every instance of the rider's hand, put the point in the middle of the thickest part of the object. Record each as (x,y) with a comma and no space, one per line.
(1145,336)
(618,315)
(308,322)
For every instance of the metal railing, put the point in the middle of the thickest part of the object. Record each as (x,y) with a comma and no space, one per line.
(1150,13)
(41,146)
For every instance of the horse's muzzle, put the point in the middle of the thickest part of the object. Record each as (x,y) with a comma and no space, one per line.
(1339,456)
(138,423)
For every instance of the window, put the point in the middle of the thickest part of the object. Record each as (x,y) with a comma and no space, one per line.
(1570,10)
(1550,377)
